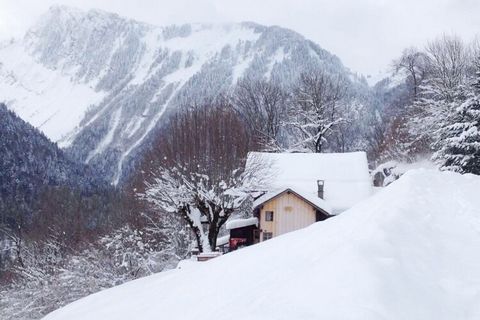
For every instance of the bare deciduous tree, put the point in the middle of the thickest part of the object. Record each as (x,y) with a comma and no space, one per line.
(448,62)
(314,111)
(442,91)
(414,62)
(262,105)
(199,171)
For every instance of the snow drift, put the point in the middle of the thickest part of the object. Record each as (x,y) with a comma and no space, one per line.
(409,252)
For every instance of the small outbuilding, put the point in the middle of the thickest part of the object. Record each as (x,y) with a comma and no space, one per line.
(243,232)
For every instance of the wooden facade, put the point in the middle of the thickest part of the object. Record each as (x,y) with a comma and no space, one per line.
(281,213)
(290,212)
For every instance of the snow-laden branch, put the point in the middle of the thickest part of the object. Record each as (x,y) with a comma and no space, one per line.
(204,201)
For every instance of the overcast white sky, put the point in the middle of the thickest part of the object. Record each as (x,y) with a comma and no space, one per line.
(365,34)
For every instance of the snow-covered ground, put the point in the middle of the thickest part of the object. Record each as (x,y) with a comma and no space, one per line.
(409,252)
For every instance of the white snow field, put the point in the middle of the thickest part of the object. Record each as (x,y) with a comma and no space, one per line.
(412,251)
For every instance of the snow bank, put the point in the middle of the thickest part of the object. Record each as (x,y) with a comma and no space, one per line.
(392,170)
(408,252)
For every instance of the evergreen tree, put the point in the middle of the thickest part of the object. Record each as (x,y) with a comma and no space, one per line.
(460,149)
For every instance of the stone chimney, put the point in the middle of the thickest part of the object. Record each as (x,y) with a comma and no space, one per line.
(320,185)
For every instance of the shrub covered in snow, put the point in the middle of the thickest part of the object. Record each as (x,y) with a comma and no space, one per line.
(51,275)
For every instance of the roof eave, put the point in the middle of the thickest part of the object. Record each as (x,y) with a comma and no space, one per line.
(298,195)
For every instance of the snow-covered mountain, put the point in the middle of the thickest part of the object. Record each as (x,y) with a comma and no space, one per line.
(99,84)
(409,252)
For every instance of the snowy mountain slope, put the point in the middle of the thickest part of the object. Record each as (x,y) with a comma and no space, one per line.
(47,99)
(409,252)
(30,164)
(99,84)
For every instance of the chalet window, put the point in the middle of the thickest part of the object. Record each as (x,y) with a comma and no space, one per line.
(267,236)
(268,215)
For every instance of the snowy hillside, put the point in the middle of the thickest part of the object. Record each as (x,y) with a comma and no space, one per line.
(98,84)
(406,253)
(30,164)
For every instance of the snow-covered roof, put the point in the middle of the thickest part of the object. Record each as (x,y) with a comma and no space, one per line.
(238,223)
(312,198)
(346,175)
(223,240)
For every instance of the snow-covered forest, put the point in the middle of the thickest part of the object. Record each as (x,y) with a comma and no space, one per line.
(438,116)
(148,161)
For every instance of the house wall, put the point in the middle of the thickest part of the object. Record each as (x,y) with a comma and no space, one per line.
(290,213)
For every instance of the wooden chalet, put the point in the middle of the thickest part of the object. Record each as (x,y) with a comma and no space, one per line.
(305,188)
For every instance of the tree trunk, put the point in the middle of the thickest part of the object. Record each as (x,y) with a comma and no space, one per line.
(194,228)
(213,228)
(212,236)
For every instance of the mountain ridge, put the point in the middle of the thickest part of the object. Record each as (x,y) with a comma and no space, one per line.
(101,84)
